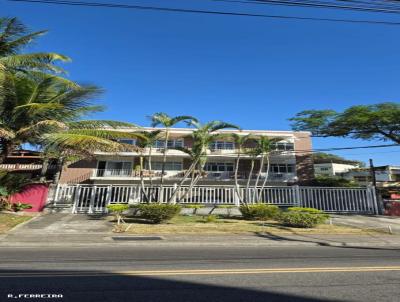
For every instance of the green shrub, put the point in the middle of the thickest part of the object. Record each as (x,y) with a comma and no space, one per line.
(300,219)
(210,218)
(117,209)
(259,211)
(158,213)
(321,214)
(18,206)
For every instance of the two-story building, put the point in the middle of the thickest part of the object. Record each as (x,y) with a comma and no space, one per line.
(290,163)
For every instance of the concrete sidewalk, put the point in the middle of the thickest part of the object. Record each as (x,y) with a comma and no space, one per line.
(388,224)
(61,229)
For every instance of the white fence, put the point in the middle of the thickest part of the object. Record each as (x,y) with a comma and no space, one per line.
(92,198)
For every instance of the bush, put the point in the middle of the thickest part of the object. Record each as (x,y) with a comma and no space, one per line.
(321,214)
(20,206)
(210,218)
(158,213)
(259,211)
(300,219)
(118,209)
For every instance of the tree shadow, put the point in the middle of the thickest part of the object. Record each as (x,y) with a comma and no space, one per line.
(98,286)
(317,241)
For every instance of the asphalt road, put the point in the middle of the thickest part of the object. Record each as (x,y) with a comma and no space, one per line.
(154,273)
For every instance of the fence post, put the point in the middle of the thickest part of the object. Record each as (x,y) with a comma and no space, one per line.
(173,201)
(91,203)
(55,199)
(236,198)
(76,198)
(371,192)
(297,196)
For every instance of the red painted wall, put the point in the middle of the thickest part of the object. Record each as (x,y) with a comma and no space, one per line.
(35,195)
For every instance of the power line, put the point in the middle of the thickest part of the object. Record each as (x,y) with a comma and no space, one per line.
(378,7)
(208,12)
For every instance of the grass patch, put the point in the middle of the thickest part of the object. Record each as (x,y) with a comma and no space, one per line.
(198,225)
(8,221)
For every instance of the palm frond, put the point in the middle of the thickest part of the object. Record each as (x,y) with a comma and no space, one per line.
(41,127)
(100,124)
(6,134)
(36,61)
(81,143)
(106,134)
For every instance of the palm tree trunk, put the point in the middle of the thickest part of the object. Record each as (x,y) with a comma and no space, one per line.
(266,176)
(151,194)
(7,148)
(259,175)
(43,171)
(247,193)
(142,180)
(192,166)
(163,164)
(236,177)
(59,167)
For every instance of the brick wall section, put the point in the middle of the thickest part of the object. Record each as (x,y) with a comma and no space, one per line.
(76,172)
(304,161)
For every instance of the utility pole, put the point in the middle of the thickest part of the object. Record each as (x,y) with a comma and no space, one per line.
(372,170)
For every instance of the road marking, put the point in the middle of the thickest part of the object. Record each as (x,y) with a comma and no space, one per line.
(248,271)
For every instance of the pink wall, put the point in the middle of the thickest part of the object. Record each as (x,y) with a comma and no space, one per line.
(35,195)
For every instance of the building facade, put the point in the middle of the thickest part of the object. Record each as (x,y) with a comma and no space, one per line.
(290,162)
(332,169)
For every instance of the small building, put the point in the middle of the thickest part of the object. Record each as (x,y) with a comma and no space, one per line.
(385,175)
(332,168)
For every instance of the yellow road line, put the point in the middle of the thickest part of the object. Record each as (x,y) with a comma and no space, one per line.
(249,271)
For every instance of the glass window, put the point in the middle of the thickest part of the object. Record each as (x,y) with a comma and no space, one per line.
(169,166)
(127,141)
(282,168)
(221,145)
(219,167)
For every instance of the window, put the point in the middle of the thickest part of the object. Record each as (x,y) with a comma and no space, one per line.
(127,141)
(282,168)
(324,169)
(284,146)
(219,167)
(221,145)
(170,144)
(169,166)
(115,168)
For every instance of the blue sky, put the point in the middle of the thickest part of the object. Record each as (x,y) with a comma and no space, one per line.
(254,72)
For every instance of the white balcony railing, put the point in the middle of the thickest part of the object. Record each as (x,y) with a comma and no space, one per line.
(211,175)
(27,167)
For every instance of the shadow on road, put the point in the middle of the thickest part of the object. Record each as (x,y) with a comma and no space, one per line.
(82,286)
(310,239)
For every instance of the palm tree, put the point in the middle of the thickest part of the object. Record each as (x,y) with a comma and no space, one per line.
(167,122)
(203,136)
(147,142)
(240,141)
(43,111)
(14,37)
(265,146)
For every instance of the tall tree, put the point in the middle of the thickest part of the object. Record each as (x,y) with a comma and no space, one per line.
(166,121)
(378,121)
(203,136)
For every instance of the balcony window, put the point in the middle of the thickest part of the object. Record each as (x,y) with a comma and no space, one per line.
(118,168)
(159,144)
(127,141)
(283,146)
(282,168)
(221,145)
(169,166)
(219,167)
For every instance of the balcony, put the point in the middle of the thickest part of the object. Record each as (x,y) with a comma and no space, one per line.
(24,167)
(210,175)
